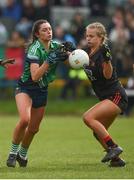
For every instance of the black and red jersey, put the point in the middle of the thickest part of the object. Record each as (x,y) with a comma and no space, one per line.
(102,87)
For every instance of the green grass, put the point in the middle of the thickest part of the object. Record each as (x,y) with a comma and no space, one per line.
(78,106)
(64,148)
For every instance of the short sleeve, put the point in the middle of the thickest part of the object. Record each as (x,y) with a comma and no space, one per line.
(106,53)
(33,55)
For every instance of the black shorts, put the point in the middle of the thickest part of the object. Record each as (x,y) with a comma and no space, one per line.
(120,98)
(38,96)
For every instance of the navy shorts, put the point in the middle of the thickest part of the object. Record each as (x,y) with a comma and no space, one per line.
(38,96)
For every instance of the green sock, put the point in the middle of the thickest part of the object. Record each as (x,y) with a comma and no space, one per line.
(23,152)
(14,148)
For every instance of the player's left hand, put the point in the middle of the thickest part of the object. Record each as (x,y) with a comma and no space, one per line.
(6,62)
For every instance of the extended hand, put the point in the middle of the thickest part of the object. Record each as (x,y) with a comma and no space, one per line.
(56,56)
(5,62)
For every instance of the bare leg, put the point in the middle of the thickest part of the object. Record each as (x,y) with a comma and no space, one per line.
(106,123)
(24,104)
(33,126)
(100,117)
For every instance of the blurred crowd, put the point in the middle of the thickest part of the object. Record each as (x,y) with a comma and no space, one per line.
(17,17)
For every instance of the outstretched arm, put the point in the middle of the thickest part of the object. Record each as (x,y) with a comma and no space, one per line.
(5,62)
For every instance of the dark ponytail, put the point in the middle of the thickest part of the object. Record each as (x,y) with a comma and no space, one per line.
(35,29)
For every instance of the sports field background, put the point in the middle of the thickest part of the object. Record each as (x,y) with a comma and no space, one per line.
(64,147)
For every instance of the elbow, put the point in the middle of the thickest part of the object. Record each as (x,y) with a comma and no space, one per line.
(108,76)
(34,79)
(108,73)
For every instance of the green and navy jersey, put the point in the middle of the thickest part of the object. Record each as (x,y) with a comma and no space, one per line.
(37,54)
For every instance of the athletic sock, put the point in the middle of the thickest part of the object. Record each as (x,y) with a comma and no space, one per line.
(14,148)
(23,152)
(109,142)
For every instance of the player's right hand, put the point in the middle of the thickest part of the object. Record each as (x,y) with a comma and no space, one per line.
(56,56)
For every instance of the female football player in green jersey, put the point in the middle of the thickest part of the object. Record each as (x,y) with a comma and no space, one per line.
(43,55)
(113,99)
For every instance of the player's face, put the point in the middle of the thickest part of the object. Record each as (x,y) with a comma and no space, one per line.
(45,32)
(93,40)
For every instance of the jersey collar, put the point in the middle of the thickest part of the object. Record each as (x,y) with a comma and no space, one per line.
(43,48)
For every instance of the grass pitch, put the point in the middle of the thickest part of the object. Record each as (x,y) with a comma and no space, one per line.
(65,149)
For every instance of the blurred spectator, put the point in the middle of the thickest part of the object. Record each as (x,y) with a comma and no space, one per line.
(63,69)
(124,59)
(129,6)
(12,10)
(98,7)
(43,10)
(130,93)
(3,34)
(78,25)
(127,61)
(60,35)
(74,2)
(85,2)
(28,9)
(119,36)
(122,38)
(130,24)
(71,87)
(16,40)
(69,90)
(3,3)
(57,2)
(24,27)
(0,11)
(117,18)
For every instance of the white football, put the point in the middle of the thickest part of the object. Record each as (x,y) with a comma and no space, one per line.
(78,58)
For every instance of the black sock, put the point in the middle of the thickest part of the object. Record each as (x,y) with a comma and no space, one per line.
(109,142)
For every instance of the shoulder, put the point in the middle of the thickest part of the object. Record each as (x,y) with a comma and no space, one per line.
(105,48)
(34,47)
(106,52)
(33,50)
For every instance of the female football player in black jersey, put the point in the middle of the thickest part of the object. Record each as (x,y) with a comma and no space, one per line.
(112,96)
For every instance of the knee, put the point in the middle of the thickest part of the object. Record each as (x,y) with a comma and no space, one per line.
(23,123)
(87,118)
(32,130)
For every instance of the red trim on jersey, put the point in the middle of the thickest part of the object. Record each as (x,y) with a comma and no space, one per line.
(117,98)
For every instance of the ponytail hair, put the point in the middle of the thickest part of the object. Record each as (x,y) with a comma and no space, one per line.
(35,30)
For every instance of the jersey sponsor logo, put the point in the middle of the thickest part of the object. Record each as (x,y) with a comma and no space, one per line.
(53,55)
(89,74)
(108,54)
